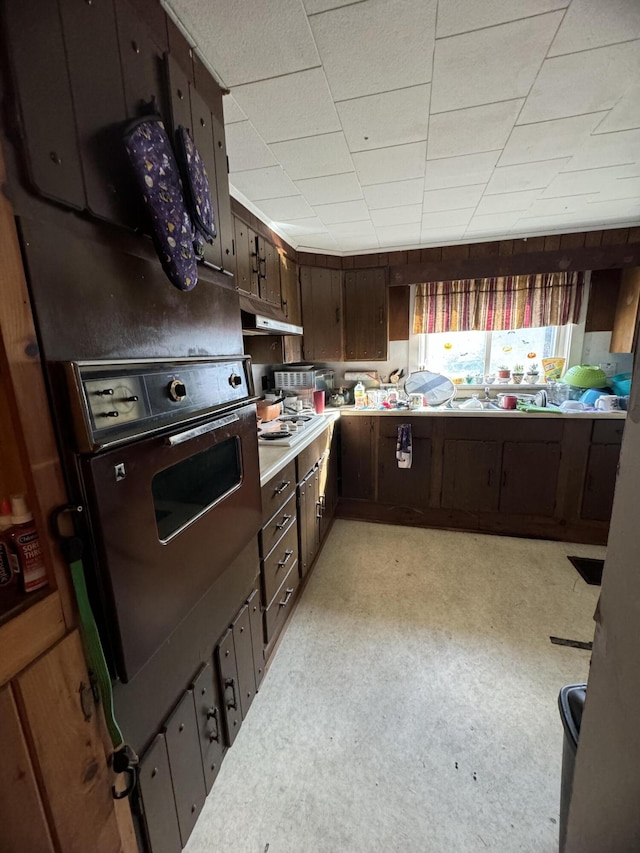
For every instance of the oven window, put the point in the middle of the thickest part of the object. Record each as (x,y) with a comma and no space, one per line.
(184,491)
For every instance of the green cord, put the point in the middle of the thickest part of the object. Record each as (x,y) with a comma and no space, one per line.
(93,649)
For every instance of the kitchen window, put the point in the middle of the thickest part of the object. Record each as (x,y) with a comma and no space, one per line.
(473,355)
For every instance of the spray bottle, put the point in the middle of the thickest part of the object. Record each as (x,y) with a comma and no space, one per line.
(26,546)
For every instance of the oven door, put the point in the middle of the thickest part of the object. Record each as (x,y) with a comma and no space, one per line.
(168,515)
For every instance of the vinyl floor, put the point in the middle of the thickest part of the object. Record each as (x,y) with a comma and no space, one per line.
(412,704)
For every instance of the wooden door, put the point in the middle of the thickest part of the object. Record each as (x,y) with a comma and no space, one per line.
(471,475)
(231,709)
(321,296)
(404,486)
(224,221)
(243,257)
(208,709)
(244,659)
(303,548)
(529,477)
(290,287)
(272,273)
(312,514)
(256,266)
(203,138)
(365,315)
(600,482)
(357,455)
(185,761)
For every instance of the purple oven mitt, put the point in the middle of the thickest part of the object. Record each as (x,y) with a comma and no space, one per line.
(149,149)
(198,194)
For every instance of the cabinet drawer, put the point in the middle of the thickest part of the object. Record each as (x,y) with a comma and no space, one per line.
(276,528)
(281,605)
(278,490)
(607,432)
(276,566)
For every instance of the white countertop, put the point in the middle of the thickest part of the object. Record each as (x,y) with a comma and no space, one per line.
(274,458)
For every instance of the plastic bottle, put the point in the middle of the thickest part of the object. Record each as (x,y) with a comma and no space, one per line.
(359,397)
(26,546)
(7,573)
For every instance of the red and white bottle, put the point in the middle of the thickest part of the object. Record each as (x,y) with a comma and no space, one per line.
(26,546)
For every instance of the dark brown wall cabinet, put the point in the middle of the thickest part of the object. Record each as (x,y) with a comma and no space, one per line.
(366,322)
(321,294)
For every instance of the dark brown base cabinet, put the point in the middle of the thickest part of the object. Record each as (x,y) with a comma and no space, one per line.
(546,478)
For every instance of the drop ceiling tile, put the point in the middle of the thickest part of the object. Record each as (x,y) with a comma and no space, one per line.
(557,206)
(257,184)
(473,130)
(399,235)
(309,107)
(357,244)
(359,228)
(628,208)
(332,188)
(492,224)
(625,115)
(397,163)
(394,194)
(542,225)
(622,189)
(493,64)
(586,181)
(344,211)
(527,176)
(390,118)
(232,111)
(591,23)
(246,44)
(447,218)
(288,207)
(440,236)
(461,16)
(246,148)
(308,225)
(606,149)
(548,140)
(313,7)
(318,241)
(579,83)
(405,215)
(506,202)
(460,171)
(453,198)
(314,156)
(396,51)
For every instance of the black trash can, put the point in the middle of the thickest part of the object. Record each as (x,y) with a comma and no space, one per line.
(571,703)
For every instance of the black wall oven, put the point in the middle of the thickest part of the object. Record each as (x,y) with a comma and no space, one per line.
(167,463)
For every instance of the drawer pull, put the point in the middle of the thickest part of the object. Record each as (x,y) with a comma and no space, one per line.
(212,714)
(230,682)
(319,510)
(288,554)
(288,595)
(283,485)
(285,520)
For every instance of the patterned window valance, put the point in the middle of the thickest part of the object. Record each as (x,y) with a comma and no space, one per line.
(493,304)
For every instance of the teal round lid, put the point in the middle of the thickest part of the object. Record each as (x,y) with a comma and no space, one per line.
(585,376)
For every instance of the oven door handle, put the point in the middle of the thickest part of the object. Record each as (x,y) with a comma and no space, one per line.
(187,435)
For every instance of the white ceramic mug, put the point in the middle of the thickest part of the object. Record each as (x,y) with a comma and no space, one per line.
(608,403)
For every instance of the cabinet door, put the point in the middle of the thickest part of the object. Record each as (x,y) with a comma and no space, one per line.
(185,761)
(529,477)
(244,659)
(231,709)
(313,513)
(256,266)
(303,548)
(404,486)
(290,288)
(600,481)
(203,138)
(357,457)
(223,210)
(471,475)
(243,257)
(208,709)
(365,315)
(156,791)
(321,295)
(142,48)
(257,636)
(272,271)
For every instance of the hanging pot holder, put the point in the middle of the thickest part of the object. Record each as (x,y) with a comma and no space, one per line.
(149,149)
(197,191)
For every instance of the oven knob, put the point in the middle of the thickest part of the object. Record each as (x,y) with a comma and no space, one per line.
(177,390)
(235,381)
(105,392)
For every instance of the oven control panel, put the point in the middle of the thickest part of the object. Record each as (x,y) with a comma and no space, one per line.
(120,401)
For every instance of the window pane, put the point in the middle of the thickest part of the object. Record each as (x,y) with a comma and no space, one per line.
(456,353)
(514,347)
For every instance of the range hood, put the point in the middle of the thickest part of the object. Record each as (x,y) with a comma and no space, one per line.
(260,318)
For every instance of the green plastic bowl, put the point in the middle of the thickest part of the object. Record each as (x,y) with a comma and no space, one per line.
(585,376)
